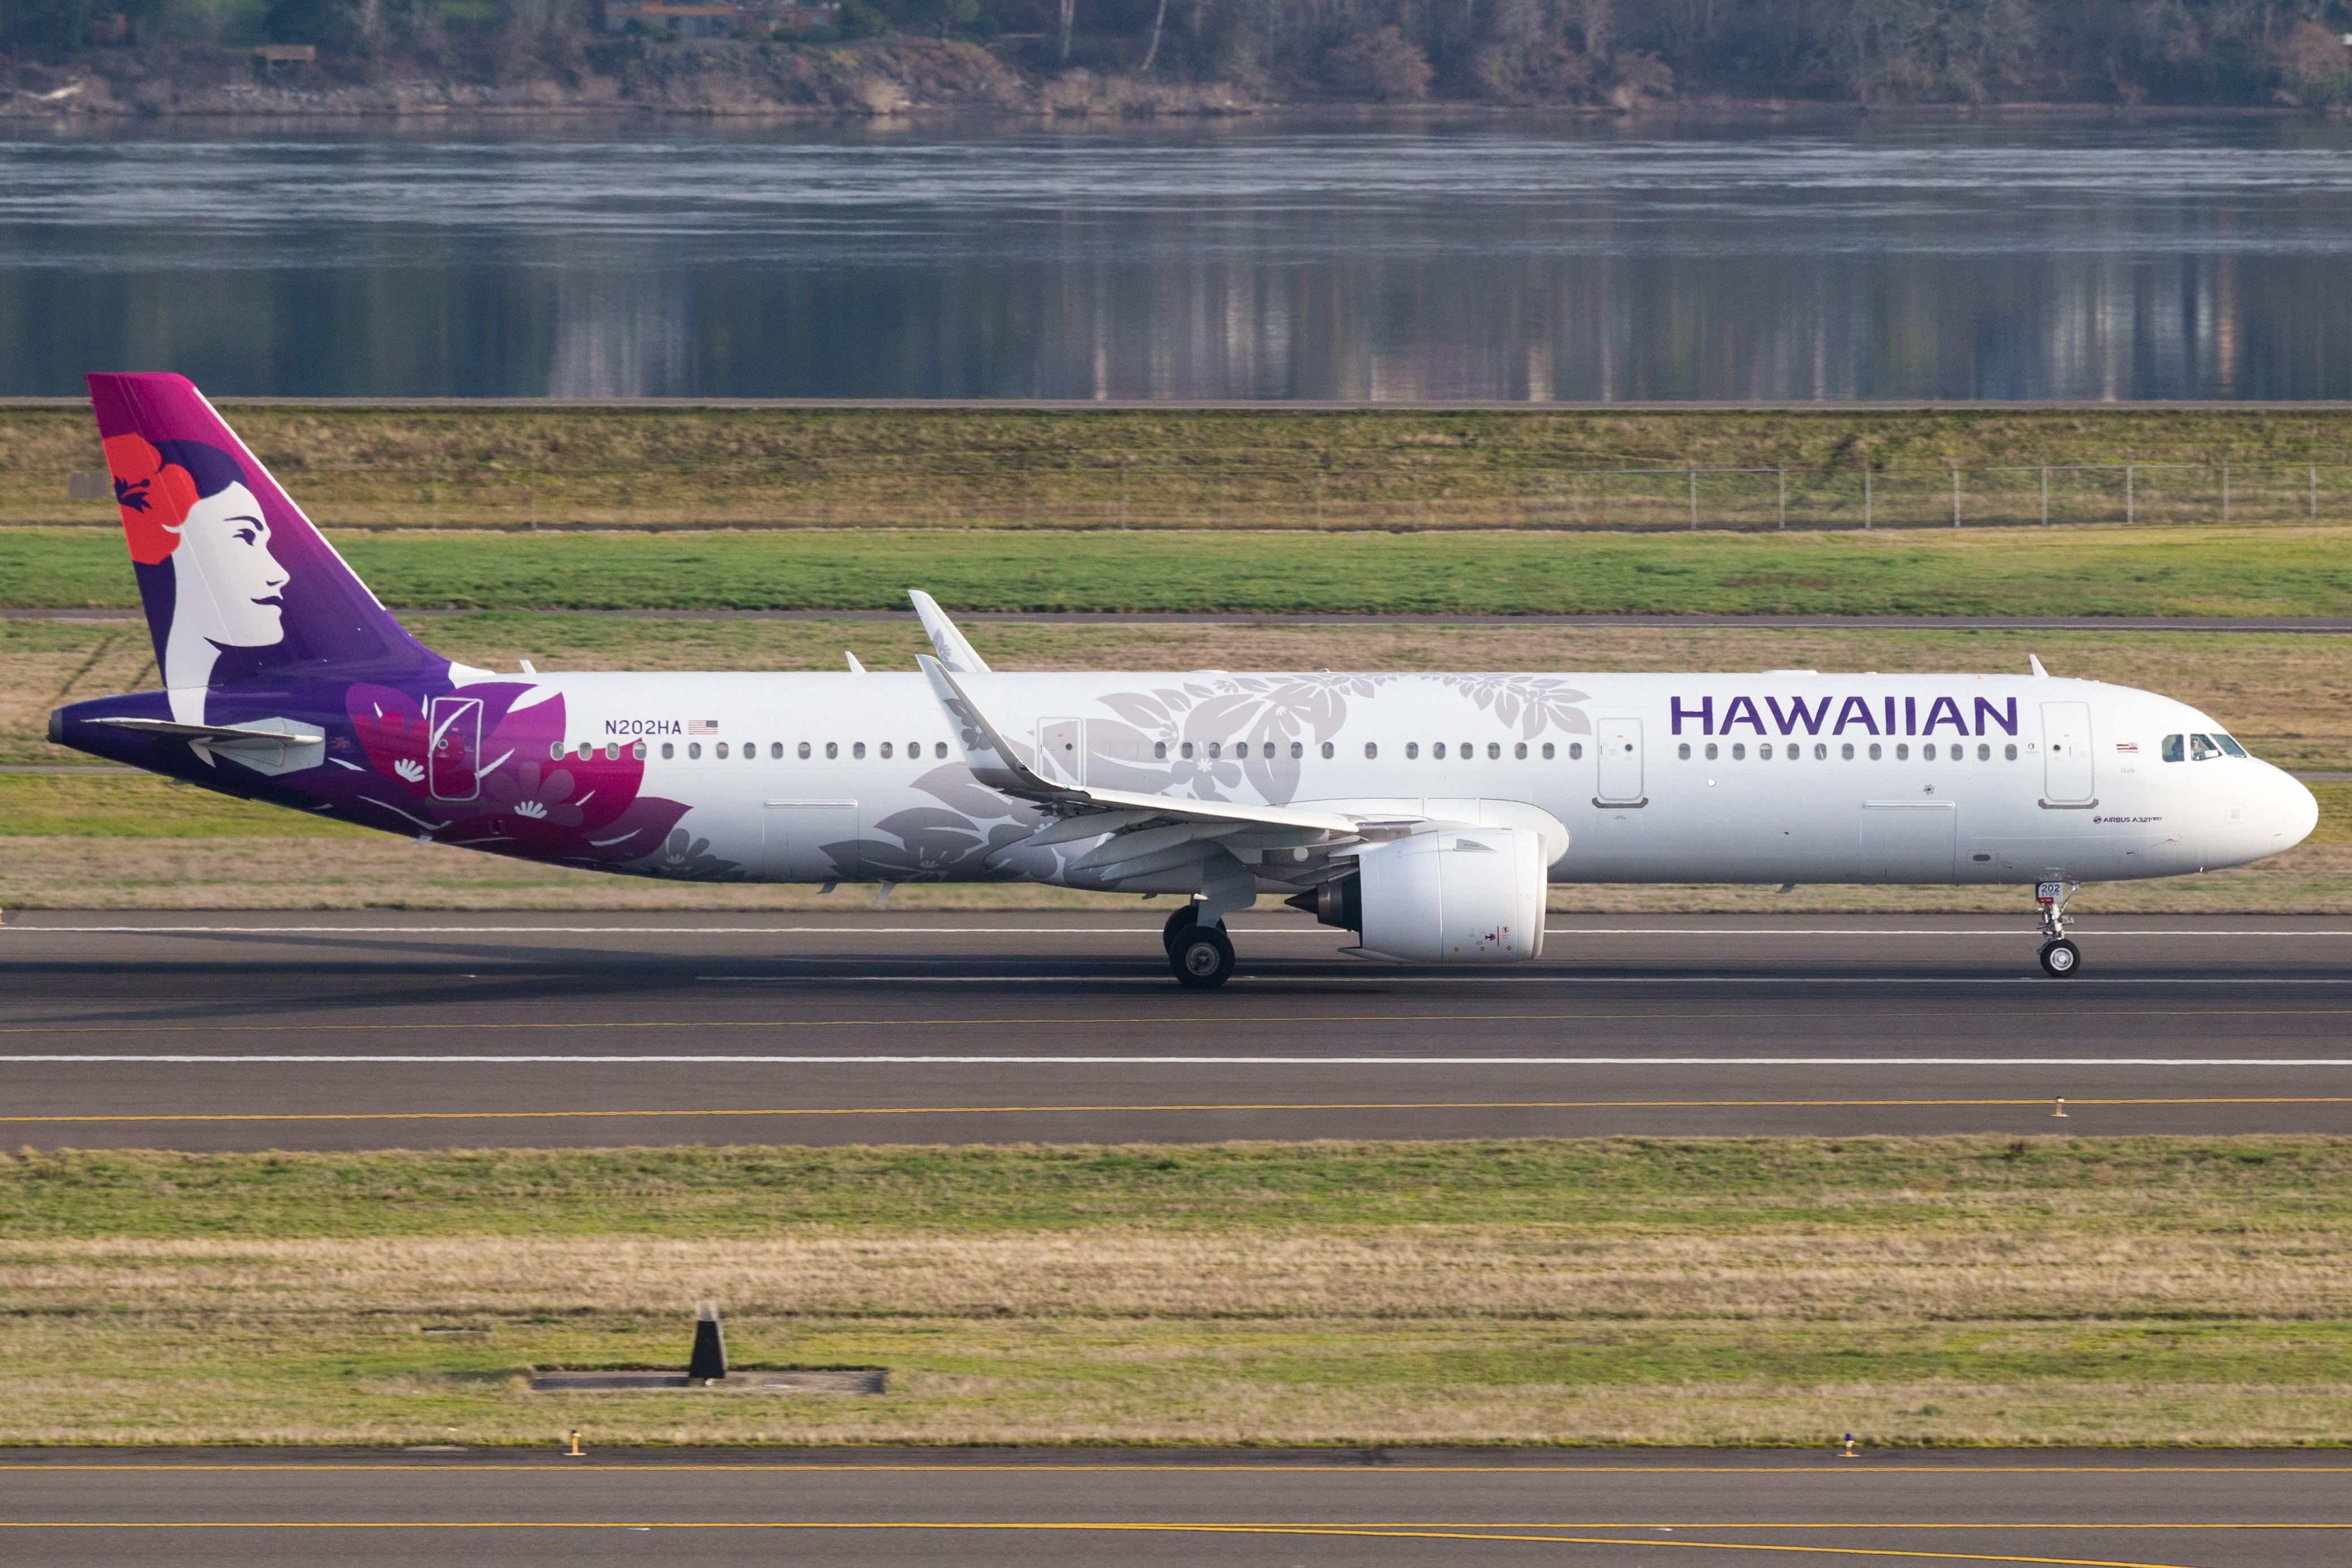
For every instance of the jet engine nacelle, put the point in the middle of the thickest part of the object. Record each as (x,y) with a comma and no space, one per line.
(1453,895)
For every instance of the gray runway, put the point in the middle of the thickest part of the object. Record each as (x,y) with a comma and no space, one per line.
(378,1030)
(976,1508)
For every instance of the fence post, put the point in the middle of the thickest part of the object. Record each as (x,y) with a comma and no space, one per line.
(2315,493)
(2045,495)
(2225,490)
(1865,492)
(1956,494)
(1784,495)
(2131,501)
(1694,497)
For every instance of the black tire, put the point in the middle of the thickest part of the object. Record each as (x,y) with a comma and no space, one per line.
(2061,960)
(1202,957)
(1187,915)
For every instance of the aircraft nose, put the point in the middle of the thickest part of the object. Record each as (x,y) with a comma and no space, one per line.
(2294,808)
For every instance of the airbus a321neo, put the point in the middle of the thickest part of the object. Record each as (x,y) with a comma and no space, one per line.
(1425,813)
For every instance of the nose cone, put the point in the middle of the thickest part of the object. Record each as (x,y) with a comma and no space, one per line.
(2297,809)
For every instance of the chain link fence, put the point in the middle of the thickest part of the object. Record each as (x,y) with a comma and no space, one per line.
(1335,491)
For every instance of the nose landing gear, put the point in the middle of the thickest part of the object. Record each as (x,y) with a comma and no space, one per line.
(2060,959)
(1200,955)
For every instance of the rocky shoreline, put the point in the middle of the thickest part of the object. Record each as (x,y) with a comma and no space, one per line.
(877,79)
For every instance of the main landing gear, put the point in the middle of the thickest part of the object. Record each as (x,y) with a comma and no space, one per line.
(2060,959)
(1202,956)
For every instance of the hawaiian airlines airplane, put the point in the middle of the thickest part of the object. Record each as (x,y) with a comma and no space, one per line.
(1425,813)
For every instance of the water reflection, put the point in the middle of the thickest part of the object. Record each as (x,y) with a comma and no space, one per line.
(1535,261)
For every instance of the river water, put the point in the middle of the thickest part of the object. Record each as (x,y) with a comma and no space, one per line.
(1532,259)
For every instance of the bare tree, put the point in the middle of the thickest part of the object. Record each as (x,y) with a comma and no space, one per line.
(1157,18)
(1068,6)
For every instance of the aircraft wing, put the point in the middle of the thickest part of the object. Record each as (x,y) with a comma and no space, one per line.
(1147,832)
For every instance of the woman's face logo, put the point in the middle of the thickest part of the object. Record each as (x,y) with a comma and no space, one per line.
(232,596)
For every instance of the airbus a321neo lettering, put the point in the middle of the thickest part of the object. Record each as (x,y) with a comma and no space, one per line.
(1425,813)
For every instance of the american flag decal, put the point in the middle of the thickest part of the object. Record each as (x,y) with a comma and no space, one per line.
(702,727)
(2128,747)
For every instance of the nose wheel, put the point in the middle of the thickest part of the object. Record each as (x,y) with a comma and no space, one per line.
(1200,955)
(2060,959)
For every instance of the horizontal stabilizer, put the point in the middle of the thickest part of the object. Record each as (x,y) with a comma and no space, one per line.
(288,733)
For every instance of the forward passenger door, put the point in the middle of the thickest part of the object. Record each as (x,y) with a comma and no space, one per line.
(1617,743)
(2068,774)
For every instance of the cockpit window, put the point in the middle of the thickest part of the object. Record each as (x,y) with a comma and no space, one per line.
(2201,747)
(2174,748)
(2231,746)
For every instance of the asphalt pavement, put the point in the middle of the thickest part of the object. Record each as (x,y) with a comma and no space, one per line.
(376,1030)
(974,1508)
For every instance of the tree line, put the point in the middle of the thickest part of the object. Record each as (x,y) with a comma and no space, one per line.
(2155,52)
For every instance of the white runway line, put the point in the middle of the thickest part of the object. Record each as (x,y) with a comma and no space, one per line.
(1000,1061)
(1411,975)
(2004,934)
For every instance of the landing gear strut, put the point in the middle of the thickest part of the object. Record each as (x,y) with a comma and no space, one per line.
(2060,959)
(1202,956)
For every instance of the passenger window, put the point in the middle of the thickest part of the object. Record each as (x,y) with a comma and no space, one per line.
(1493,751)
(1437,751)
(804,751)
(886,751)
(720,751)
(1764,752)
(1547,757)
(693,750)
(585,750)
(1327,750)
(1795,751)
(1298,749)
(1710,751)
(555,752)
(669,750)
(775,751)
(1412,749)
(832,750)
(2230,746)
(1160,751)
(611,751)
(638,751)
(940,750)
(1820,752)
(1740,751)
(858,750)
(1846,752)
(2009,751)
(1185,749)
(1575,749)
(1371,749)
(750,751)
(1216,749)
(1927,752)
(1519,752)
(2173,751)
(1902,753)
(1984,752)
(1683,752)
(1874,752)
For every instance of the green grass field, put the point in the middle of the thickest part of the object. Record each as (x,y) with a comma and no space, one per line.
(1011,468)
(1997,1290)
(1988,571)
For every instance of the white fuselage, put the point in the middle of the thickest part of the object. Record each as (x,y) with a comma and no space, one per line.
(1780,777)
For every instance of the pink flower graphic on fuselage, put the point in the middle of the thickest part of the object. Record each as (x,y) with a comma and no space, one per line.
(526,799)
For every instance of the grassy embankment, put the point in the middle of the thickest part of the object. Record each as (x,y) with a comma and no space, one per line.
(1170,467)
(1948,1291)
(83,840)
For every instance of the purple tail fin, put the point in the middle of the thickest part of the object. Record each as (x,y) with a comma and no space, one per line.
(237,584)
